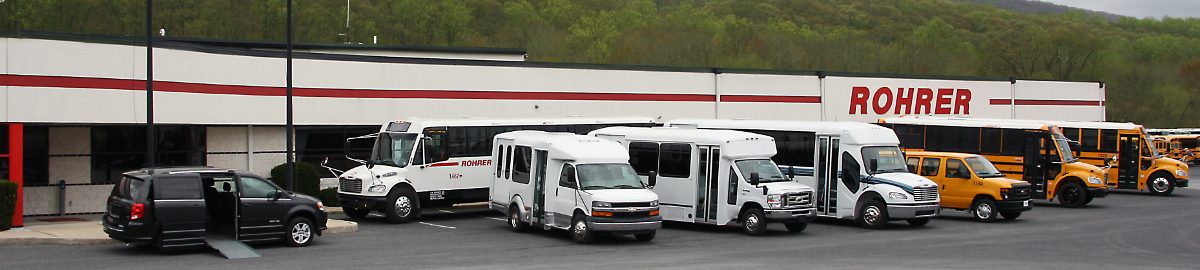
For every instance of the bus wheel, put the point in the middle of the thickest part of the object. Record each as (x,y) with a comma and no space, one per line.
(1072,195)
(403,206)
(355,212)
(580,231)
(1161,184)
(918,222)
(1010,215)
(796,226)
(984,210)
(754,222)
(514,219)
(873,215)
(645,237)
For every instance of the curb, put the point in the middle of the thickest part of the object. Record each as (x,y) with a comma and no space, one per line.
(334,226)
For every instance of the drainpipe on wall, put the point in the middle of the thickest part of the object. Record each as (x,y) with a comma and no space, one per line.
(716,93)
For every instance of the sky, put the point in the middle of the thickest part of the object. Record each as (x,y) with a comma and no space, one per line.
(1138,8)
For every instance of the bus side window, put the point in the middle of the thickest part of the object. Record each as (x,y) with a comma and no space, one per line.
(912,164)
(931,166)
(850,172)
(956,169)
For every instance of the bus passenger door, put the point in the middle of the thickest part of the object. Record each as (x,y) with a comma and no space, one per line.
(1035,162)
(539,188)
(562,208)
(827,174)
(1127,155)
(707,176)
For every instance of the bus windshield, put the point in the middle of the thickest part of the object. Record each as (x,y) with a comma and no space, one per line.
(1153,150)
(393,149)
(887,159)
(608,176)
(766,169)
(983,168)
(1064,149)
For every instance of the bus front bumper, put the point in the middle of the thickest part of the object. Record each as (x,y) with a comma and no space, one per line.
(362,202)
(1098,192)
(909,211)
(1181,182)
(791,215)
(1014,205)
(619,225)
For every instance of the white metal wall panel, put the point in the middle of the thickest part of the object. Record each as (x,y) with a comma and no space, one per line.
(948,95)
(71,105)
(68,58)
(1052,100)
(768,96)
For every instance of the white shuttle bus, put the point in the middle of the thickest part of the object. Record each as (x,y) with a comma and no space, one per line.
(718,177)
(857,168)
(422,163)
(578,183)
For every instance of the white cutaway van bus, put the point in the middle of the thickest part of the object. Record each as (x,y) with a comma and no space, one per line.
(719,177)
(877,186)
(579,183)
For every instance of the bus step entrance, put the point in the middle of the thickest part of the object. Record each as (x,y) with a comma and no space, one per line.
(230,248)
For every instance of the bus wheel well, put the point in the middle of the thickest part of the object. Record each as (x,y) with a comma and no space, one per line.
(982,196)
(578,212)
(866,197)
(748,206)
(402,186)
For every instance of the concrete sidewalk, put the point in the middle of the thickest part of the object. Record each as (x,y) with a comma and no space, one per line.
(89,231)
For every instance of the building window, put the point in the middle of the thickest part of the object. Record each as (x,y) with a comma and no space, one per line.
(37,155)
(314,144)
(118,149)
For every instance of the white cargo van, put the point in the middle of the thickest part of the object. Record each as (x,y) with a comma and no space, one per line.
(719,177)
(574,182)
(857,168)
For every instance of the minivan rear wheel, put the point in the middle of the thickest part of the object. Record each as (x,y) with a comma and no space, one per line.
(299,232)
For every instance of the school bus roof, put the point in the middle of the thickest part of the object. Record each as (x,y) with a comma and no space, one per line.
(965,122)
(938,154)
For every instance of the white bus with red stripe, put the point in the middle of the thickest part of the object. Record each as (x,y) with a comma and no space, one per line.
(418,163)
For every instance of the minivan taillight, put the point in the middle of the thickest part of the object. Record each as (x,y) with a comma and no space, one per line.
(137,211)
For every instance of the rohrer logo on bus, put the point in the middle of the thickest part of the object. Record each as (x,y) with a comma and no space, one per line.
(910,100)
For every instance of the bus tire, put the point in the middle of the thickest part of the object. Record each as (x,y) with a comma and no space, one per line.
(1072,195)
(645,237)
(984,210)
(514,220)
(754,221)
(872,215)
(918,222)
(1010,215)
(1161,184)
(580,231)
(403,206)
(356,213)
(796,226)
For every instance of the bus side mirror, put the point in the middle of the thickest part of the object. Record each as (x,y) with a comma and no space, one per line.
(873,165)
(754,179)
(652,178)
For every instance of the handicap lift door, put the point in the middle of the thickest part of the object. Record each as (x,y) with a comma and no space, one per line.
(180,209)
(706,183)
(1127,171)
(827,173)
(1036,147)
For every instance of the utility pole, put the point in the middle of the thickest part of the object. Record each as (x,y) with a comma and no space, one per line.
(150,134)
(291,163)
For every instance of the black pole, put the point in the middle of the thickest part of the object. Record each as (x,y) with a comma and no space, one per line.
(150,138)
(291,164)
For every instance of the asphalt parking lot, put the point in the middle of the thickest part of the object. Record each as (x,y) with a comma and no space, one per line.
(1126,230)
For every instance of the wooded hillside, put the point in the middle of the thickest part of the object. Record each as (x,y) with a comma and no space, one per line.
(1151,66)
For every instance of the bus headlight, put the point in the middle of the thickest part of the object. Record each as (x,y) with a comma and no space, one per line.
(1095,180)
(376,189)
(897,196)
(601,204)
(654,203)
(1180,173)
(775,201)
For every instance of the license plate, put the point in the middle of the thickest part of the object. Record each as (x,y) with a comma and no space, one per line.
(1026,204)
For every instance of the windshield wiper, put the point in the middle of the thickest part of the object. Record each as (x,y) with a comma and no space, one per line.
(592,187)
(626,186)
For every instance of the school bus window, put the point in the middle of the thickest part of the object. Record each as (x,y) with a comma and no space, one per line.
(1014,142)
(1071,133)
(1108,140)
(930,166)
(990,141)
(1089,140)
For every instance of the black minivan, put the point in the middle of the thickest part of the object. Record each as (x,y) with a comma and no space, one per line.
(178,208)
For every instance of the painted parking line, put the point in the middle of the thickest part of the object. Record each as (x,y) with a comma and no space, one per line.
(495,218)
(435,225)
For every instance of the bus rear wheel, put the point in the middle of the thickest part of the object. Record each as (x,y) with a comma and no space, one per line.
(514,220)
(796,226)
(1072,195)
(1161,184)
(1010,215)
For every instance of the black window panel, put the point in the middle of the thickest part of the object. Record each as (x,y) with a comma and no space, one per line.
(1071,133)
(522,165)
(643,156)
(792,148)
(177,189)
(1108,140)
(3,141)
(37,155)
(499,164)
(508,161)
(117,149)
(437,147)
(931,166)
(675,160)
(567,178)
(315,144)
(911,136)
(968,140)
(1014,142)
(1089,140)
(990,140)
(953,139)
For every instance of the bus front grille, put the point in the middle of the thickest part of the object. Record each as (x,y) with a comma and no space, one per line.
(921,194)
(798,199)
(350,185)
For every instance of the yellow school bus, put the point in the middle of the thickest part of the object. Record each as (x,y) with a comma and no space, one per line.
(971,183)
(1037,153)
(1185,148)
(1140,165)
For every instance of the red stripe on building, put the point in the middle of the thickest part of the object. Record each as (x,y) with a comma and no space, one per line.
(1045,102)
(780,99)
(444,164)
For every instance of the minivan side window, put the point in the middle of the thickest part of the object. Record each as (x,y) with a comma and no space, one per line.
(256,188)
(931,166)
(129,188)
(178,188)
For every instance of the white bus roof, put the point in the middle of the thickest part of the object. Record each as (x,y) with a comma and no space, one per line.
(965,122)
(421,123)
(735,144)
(570,146)
(854,133)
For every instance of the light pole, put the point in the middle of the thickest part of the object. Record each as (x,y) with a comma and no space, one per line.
(150,134)
(291,163)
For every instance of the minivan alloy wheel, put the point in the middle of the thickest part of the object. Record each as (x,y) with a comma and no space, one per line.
(301,232)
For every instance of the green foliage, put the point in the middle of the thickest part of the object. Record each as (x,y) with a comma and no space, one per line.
(329,197)
(1140,60)
(8,203)
(308,179)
